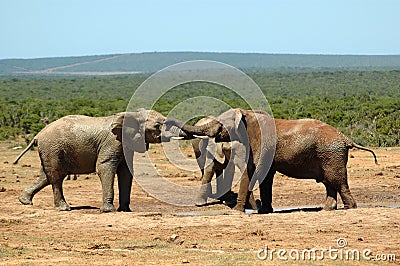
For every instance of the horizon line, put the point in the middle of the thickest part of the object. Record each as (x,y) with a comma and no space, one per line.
(211,52)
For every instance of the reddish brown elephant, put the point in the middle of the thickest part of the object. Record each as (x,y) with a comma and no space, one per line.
(305,148)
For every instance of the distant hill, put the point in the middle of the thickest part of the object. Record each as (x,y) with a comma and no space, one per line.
(152,62)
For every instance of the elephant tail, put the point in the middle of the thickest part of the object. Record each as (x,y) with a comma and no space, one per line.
(354,145)
(32,143)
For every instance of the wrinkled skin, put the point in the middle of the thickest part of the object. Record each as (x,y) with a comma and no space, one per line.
(213,159)
(311,149)
(79,144)
(241,126)
(305,148)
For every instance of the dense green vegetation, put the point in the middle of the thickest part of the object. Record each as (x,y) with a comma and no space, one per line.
(365,105)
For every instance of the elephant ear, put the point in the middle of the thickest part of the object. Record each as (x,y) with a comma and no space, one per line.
(127,121)
(219,153)
(239,129)
(240,154)
(116,125)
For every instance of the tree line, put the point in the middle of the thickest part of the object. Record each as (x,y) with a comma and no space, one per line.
(365,105)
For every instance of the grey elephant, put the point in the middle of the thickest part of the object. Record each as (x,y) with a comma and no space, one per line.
(217,159)
(305,148)
(78,144)
(245,128)
(213,158)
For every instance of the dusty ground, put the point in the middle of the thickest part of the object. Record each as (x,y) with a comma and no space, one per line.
(163,234)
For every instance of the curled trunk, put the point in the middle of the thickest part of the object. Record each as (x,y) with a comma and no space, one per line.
(210,129)
(175,131)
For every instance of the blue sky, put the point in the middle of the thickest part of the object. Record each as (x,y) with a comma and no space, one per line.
(48,28)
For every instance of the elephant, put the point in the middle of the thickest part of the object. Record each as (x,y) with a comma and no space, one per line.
(243,129)
(77,144)
(305,149)
(213,162)
(213,158)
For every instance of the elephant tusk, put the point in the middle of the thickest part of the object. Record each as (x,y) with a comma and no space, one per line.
(177,138)
(200,137)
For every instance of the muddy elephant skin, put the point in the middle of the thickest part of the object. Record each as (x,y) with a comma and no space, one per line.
(78,144)
(305,148)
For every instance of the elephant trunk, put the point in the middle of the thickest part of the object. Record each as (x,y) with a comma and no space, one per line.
(210,129)
(172,131)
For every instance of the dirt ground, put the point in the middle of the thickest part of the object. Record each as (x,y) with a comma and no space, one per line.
(157,233)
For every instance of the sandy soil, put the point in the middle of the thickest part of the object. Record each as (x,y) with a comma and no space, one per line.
(163,234)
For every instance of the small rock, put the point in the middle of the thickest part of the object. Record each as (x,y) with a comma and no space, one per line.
(176,239)
(100,246)
(2,189)
(5,238)
(360,239)
(173,238)
(185,261)
(379,174)
(351,156)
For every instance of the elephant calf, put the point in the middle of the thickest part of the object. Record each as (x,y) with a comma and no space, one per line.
(78,144)
(214,162)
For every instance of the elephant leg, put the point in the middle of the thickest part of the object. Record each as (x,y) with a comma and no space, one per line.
(224,184)
(29,192)
(106,173)
(331,198)
(205,188)
(335,175)
(124,187)
(347,198)
(251,202)
(221,189)
(59,200)
(243,191)
(266,193)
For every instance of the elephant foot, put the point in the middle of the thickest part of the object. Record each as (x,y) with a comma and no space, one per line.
(265,210)
(25,198)
(107,207)
(229,199)
(239,207)
(350,206)
(63,206)
(230,195)
(200,203)
(330,207)
(330,204)
(124,209)
(230,203)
